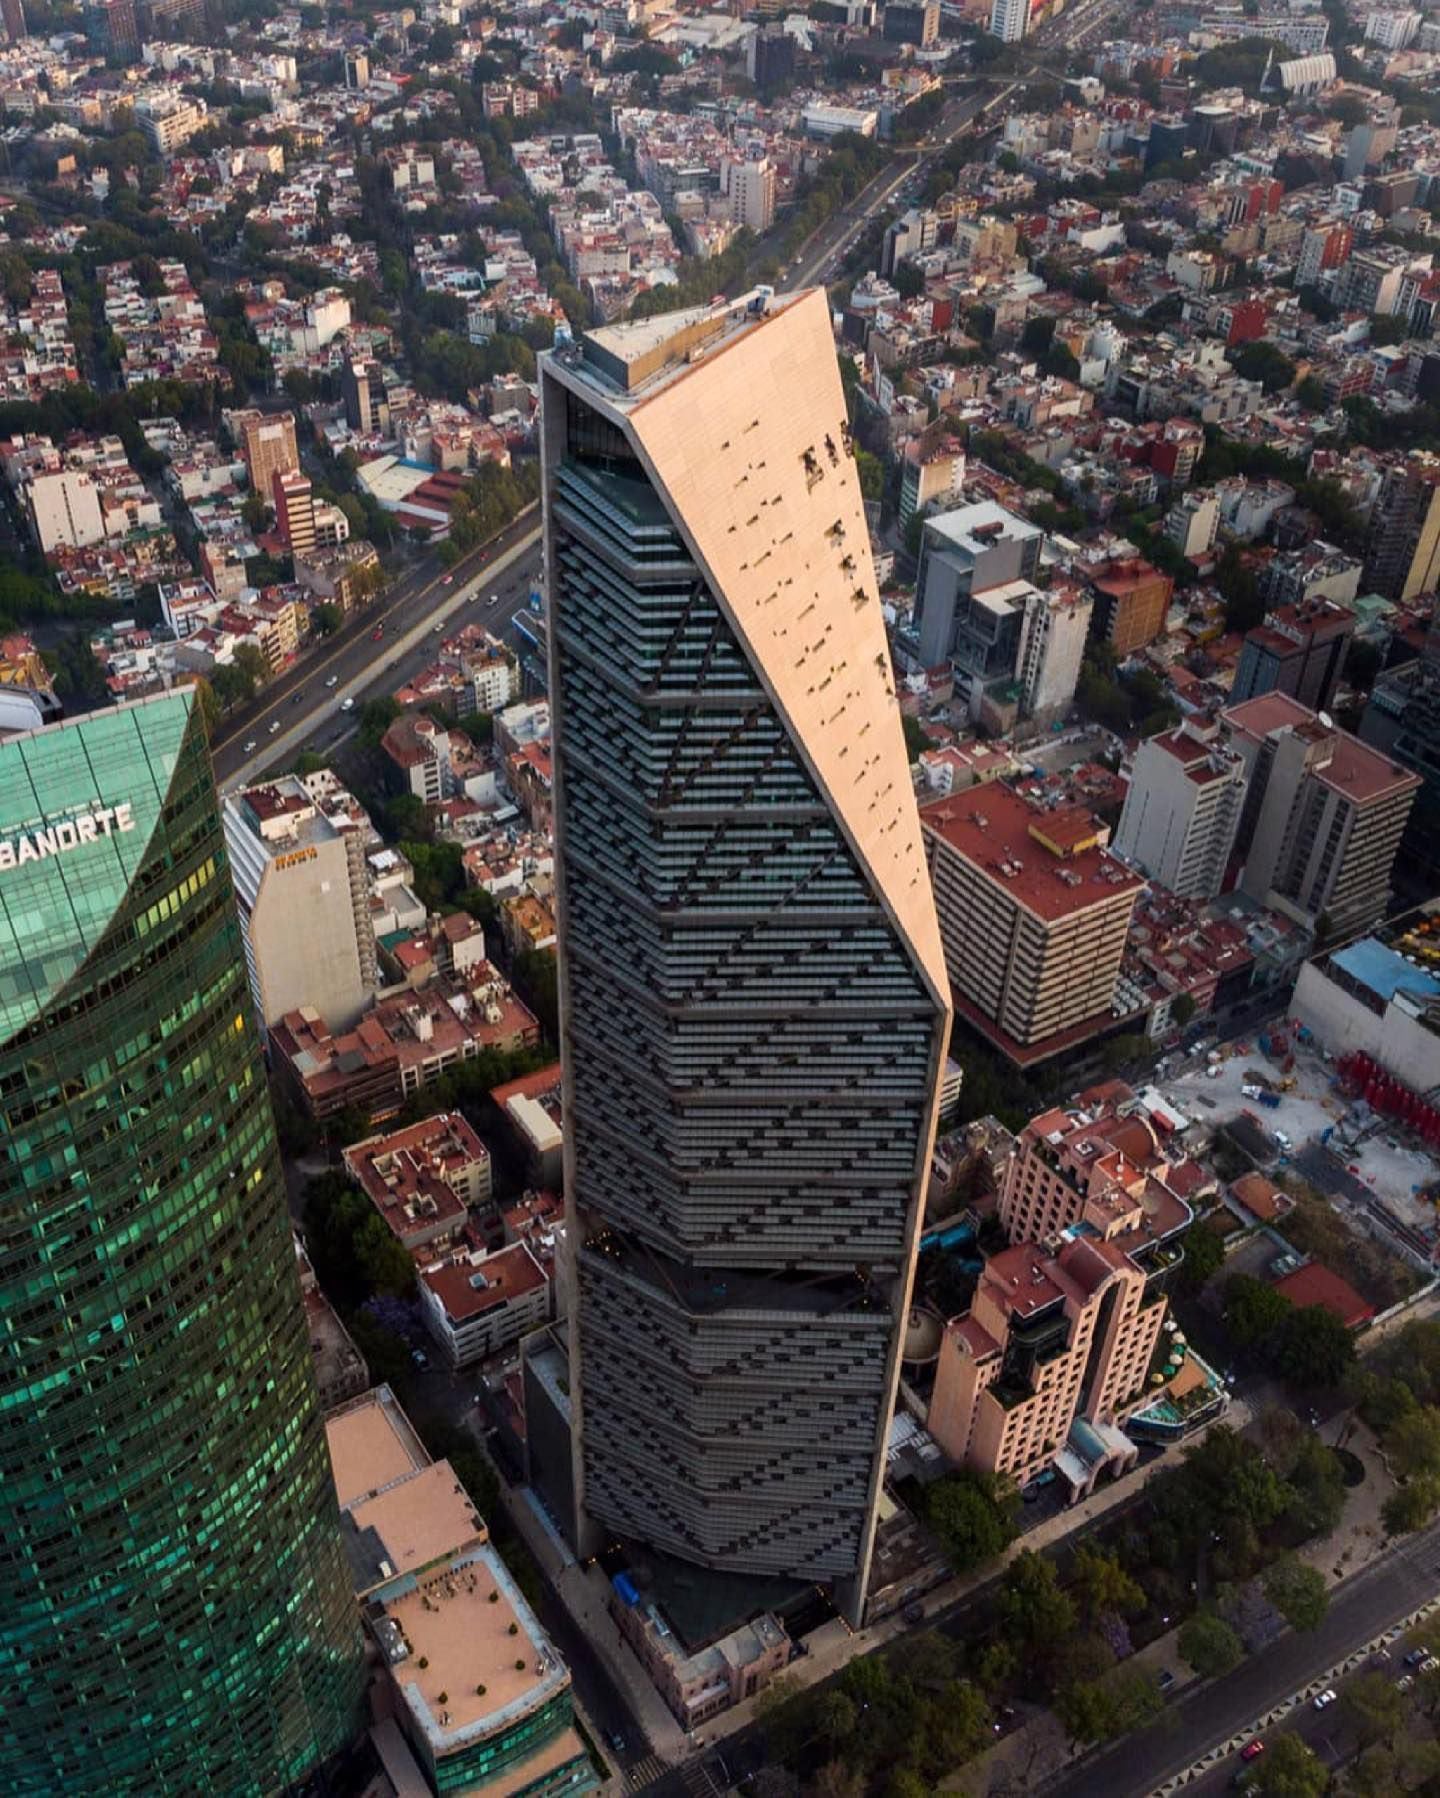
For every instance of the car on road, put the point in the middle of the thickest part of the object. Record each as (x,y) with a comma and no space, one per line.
(1284,1141)
(1323,1700)
(449,581)
(378,632)
(1252,1750)
(494,599)
(333,681)
(295,698)
(437,627)
(274,726)
(617,1741)
(421,1360)
(347,705)
(250,747)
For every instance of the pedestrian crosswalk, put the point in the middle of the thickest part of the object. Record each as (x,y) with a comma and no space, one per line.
(644,1773)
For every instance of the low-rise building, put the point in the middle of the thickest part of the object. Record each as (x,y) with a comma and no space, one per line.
(475,1305)
(423,1179)
(476,1695)
(532,1107)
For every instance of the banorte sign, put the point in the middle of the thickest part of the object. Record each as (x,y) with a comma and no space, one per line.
(69,833)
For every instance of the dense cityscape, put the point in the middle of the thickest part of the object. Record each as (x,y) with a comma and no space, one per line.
(720,898)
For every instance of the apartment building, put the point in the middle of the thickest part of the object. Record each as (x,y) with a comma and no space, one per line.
(964,554)
(475,1305)
(169,120)
(1299,650)
(1192,524)
(1009,20)
(367,404)
(750,187)
(294,511)
(1182,809)
(423,1179)
(1033,917)
(927,475)
(63,509)
(1323,815)
(304,901)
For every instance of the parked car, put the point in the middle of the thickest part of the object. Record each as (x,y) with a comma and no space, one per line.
(421,1359)
(333,681)
(1323,1700)
(274,726)
(1252,1750)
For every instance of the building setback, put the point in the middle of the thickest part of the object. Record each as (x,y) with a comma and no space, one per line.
(753,994)
(178,1616)
(1033,914)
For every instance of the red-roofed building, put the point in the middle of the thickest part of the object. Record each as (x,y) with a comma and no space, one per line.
(1316,1285)
(1033,914)
(423,1179)
(1131,600)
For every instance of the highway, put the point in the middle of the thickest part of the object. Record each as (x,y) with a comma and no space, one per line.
(1214,1722)
(820,259)
(362,665)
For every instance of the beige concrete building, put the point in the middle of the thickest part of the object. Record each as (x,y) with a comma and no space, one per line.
(304,904)
(1182,809)
(1048,1339)
(1033,913)
(423,1179)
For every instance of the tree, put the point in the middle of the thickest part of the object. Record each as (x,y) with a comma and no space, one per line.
(376,717)
(326,619)
(834,1718)
(1099,1710)
(1182,1010)
(1032,1605)
(1204,1256)
(1254,1311)
(1209,1646)
(836,1780)
(1297,1592)
(1101,1584)
(1374,1708)
(973,1526)
(1313,1347)
(1411,1506)
(1263,362)
(1288,1769)
(1412,1443)
(1317,1485)
(916,738)
(1311,393)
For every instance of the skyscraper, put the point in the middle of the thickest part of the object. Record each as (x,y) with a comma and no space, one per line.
(178,1615)
(753,999)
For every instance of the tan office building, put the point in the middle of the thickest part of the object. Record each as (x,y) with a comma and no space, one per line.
(267,442)
(1033,915)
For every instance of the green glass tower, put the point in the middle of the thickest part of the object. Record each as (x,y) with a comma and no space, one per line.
(175,1612)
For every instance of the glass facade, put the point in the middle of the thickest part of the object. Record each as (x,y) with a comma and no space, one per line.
(177,1616)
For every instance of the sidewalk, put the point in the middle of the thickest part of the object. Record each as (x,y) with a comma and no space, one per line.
(584,1592)
(1039,1750)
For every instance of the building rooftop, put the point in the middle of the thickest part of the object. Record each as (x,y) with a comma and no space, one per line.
(1316,1285)
(409,1526)
(1052,863)
(1354,770)
(409,1174)
(372,1447)
(474,1284)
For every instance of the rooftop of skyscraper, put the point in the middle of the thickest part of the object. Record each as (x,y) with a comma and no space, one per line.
(632,361)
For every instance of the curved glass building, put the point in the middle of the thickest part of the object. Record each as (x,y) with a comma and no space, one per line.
(175,1612)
